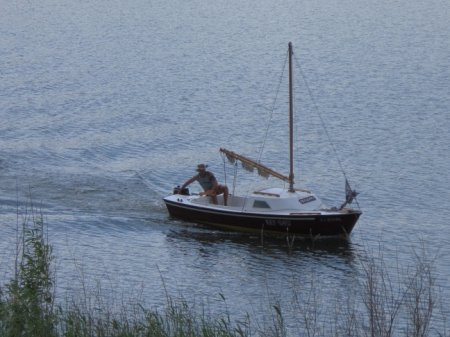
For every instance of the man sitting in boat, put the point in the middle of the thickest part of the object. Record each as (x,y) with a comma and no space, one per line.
(209,184)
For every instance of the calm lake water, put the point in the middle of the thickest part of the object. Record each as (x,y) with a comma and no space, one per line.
(106,105)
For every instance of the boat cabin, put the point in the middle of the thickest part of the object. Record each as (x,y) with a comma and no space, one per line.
(268,200)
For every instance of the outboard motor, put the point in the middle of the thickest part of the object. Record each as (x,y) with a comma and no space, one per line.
(178,190)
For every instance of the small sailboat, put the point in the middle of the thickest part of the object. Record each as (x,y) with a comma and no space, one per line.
(272,210)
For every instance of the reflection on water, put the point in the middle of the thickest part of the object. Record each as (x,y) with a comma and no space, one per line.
(294,246)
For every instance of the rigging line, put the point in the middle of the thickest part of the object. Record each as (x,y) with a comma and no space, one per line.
(320,116)
(235,171)
(273,108)
(224,170)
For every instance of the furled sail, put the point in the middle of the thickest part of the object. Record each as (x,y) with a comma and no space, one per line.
(250,165)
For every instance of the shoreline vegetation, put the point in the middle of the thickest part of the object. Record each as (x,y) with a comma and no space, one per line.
(381,306)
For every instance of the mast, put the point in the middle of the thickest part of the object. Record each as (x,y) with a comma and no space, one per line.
(291,124)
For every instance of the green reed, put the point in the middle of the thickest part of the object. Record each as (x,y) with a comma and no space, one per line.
(26,306)
(27,303)
(380,307)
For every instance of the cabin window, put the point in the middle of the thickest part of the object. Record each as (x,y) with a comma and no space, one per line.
(260,204)
(307,199)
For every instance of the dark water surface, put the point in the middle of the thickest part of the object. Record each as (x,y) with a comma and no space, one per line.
(106,105)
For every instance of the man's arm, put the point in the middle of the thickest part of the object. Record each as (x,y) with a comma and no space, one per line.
(190,181)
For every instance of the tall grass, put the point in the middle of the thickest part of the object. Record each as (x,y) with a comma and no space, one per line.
(380,306)
(26,306)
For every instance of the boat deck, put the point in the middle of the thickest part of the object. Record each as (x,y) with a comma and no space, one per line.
(238,204)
